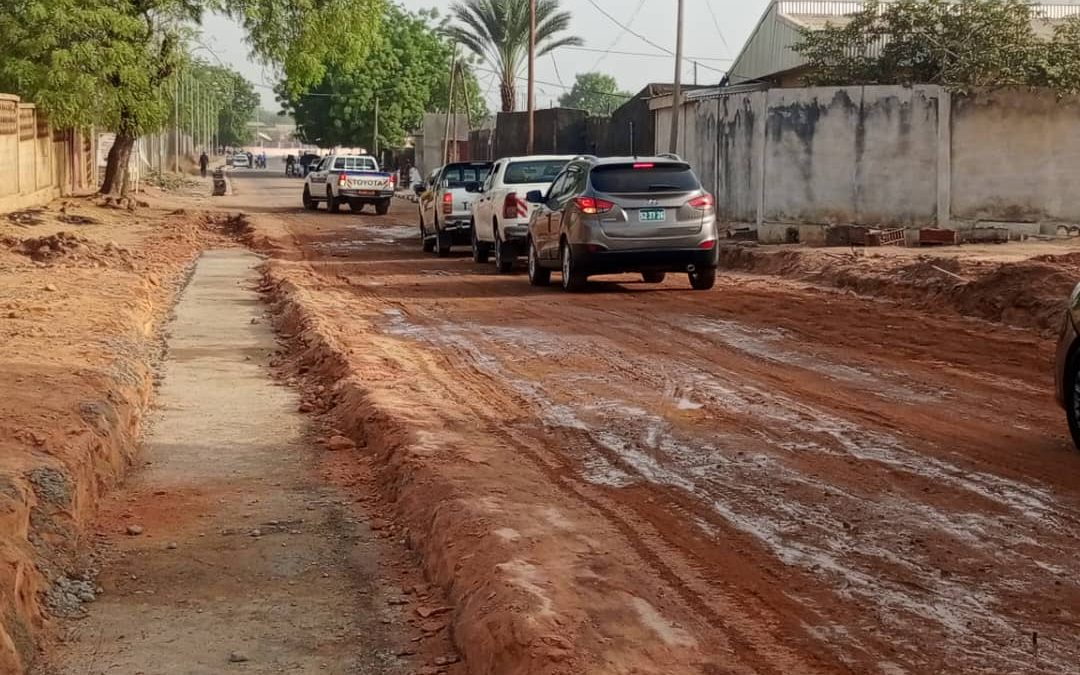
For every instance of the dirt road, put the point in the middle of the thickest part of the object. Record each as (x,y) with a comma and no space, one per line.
(770,477)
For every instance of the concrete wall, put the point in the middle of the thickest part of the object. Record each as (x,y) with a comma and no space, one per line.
(806,158)
(851,156)
(1016,158)
(37,163)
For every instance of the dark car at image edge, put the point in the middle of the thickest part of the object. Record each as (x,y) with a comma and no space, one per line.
(1067,372)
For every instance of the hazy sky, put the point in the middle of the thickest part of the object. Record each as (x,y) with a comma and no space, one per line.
(655,19)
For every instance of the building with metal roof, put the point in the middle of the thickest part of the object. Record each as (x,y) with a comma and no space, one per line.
(768,57)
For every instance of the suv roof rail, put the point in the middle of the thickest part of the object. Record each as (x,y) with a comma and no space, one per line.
(592,157)
(670,155)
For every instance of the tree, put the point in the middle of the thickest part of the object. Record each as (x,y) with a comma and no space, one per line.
(236,101)
(595,92)
(107,63)
(405,70)
(498,32)
(960,44)
(305,39)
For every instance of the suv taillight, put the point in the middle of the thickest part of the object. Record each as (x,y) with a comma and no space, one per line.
(342,179)
(511,207)
(592,206)
(447,203)
(703,202)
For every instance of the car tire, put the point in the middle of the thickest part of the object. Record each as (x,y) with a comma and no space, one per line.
(653,277)
(573,278)
(442,242)
(356,207)
(538,274)
(309,203)
(332,204)
(703,280)
(1072,397)
(382,207)
(481,250)
(504,255)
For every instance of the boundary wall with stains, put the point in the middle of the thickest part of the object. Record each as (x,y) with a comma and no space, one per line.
(791,162)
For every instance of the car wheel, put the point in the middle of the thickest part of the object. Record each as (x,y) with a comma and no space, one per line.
(1072,397)
(538,275)
(309,203)
(382,207)
(332,204)
(480,250)
(442,242)
(504,256)
(573,279)
(653,277)
(703,280)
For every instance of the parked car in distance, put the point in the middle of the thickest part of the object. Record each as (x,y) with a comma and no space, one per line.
(500,214)
(349,179)
(1067,373)
(240,161)
(445,213)
(623,214)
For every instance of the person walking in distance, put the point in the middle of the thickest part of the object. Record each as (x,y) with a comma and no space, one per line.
(204,162)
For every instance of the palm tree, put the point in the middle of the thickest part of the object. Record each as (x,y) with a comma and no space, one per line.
(498,31)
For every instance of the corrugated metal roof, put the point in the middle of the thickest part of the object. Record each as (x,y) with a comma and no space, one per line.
(768,51)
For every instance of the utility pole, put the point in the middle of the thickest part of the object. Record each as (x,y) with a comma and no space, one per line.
(532,76)
(375,140)
(676,93)
(176,125)
(449,108)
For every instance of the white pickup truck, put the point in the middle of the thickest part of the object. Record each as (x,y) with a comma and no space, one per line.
(500,213)
(349,179)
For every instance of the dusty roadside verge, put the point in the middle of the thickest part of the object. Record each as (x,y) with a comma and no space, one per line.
(83,292)
(1017,285)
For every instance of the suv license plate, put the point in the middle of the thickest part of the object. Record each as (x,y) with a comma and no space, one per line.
(652,215)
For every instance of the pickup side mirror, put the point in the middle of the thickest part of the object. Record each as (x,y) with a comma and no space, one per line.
(535,197)
(473,187)
(419,188)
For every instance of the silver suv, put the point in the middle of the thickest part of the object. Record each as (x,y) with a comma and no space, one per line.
(620,214)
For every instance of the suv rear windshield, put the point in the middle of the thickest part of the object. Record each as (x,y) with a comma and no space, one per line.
(458,175)
(539,171)
(354,164)
(648,177)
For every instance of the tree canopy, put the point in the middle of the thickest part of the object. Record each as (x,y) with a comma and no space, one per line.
(235,101)
(406,68)
(597,93)
(960,44)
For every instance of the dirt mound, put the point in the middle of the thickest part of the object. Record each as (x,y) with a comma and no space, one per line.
(1027,294)
(71,248)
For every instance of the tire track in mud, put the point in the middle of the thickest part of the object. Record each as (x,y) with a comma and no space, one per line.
(881,449)
(935,508)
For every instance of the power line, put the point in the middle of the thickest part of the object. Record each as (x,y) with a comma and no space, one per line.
(655,56)
(633,15)
(716,22)
(645,39)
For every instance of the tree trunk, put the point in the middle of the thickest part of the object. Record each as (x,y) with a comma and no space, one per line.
(506,90)
(116,166)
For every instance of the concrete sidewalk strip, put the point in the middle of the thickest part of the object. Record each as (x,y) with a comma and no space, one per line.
(233,551)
